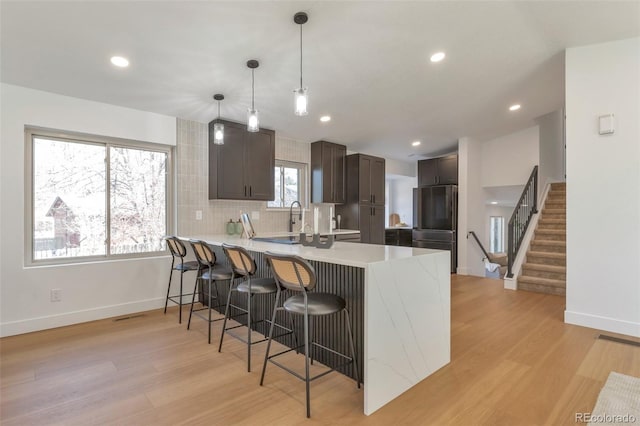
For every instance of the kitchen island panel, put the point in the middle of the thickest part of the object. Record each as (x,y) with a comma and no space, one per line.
(407,325)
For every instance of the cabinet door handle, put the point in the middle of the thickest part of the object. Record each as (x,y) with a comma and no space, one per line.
(250,191)
(245,190)
(374,198)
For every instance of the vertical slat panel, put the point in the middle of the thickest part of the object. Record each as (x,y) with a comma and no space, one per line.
(330,331)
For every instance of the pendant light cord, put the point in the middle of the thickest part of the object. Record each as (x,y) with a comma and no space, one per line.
(252,89)
(301,56)
(218,110)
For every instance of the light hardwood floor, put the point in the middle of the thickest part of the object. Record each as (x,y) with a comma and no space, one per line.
(514,362)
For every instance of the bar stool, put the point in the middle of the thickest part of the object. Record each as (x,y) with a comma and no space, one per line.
(178,253)
(211,272)
(296,274)
(243,265)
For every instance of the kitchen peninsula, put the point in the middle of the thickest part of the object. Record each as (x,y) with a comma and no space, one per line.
(399,302)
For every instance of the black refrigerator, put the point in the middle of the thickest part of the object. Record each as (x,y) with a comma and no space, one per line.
(435,219)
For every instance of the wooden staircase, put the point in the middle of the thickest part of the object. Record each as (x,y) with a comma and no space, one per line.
(545,269)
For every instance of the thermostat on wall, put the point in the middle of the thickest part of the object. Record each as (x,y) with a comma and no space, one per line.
(607,124)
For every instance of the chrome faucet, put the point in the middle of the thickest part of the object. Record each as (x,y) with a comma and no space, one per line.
(291,219)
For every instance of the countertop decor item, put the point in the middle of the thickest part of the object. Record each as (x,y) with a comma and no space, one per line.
(231,227)
(315,242)
(239,228)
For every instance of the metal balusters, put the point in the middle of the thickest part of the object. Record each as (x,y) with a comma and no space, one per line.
(526,207)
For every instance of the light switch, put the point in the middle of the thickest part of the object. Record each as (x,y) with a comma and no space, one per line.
(607,124)
(198,214)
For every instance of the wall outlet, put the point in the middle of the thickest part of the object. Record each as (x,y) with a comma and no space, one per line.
(198,214)
(255,215)
(56,294)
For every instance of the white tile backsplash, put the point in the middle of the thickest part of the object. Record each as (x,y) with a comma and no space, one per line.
(192,157)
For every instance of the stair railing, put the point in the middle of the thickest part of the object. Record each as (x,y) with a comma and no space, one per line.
(526,207)
(475,237)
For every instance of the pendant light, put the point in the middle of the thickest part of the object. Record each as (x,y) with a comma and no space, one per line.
(218,127)
(253,124)
(300,95)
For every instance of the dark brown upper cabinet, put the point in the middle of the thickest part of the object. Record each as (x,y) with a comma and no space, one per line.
(438,171)
(366,179)
(242,168)
(327,172)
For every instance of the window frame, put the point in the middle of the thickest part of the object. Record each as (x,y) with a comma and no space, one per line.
(302,184)
(33,132)
(502,234)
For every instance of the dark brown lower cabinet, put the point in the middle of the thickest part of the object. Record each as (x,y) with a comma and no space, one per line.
(371,220)
(398,237)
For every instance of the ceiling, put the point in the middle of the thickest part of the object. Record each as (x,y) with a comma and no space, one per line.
(366,63)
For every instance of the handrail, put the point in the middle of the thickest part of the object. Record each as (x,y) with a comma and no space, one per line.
(526,207)
(475,237)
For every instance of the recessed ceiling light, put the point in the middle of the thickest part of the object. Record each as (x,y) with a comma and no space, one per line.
(325,118)
(119,61)
(415,143)
(437,57)
(494,202)
(514,107)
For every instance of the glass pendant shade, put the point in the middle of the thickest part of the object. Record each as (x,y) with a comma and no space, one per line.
(301,101)
(218,134)
(253,123)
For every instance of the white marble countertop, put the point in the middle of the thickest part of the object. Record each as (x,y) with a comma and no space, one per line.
(341,253)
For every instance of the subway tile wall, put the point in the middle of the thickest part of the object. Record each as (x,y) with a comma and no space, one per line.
(192,179)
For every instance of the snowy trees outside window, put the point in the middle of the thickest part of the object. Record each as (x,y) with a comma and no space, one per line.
(97,199)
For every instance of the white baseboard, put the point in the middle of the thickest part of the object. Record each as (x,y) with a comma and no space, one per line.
(603,323)
(462,271)
(68,318)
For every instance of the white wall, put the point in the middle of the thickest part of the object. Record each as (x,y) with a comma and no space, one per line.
(508,160)
(401,198)
(471,205)
(400,168)
(401,178)
(603,187)
(551,148)
(90,290)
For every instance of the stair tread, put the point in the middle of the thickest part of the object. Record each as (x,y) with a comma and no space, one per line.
(541,288)
(552,220)
(547,254)
(551,231)
(500,259)
(543,281)
(549,242)
(547,268)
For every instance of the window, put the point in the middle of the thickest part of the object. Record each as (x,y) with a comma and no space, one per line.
(95,199)
(496,233)
(290,181)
